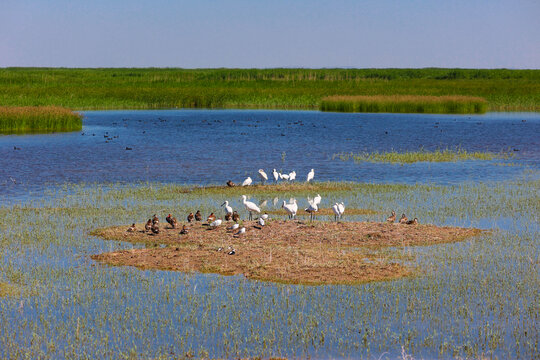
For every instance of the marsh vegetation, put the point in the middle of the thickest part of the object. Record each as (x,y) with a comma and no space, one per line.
(38,119)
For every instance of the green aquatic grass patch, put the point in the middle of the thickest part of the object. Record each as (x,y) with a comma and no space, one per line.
(151,88)
(405,104)
(409,157)
(37,119)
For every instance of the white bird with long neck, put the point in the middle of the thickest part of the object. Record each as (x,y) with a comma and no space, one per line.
(247,182)
(228,208)
(250,206)
(335,209)
(317,199)
(292,175)
(341,207)
(263,176)
(290,208)
(310,175)
(275,174)
(312,208)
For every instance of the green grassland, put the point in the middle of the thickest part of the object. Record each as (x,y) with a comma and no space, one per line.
(28,119)
(149,88)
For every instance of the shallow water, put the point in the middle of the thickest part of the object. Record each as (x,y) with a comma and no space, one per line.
(478,297)
(201,147)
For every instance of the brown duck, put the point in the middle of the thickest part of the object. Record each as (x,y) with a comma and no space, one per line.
(155,228)
(148,225)
(403,219)
(211,218)
(228,217)
(174,223)
(190,217)
(235,216)
(184,230)
(392,217)
(230,183)
(198,216)
(169,220)
(413,222)
(132,228)
(155,219)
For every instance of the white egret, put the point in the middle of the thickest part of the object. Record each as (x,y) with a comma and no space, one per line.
(289,208)
(228,208)
(294,206)
(275,201)
(312,208)
(335,209)
(216,223)
(263,176)
(247,182)
(250,206)
(310,175)
(317,199)
(275,174)
(341,207)
(292,175)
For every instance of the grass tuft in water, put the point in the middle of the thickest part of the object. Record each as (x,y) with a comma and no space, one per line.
(409,157)
(405,104)
(28,119)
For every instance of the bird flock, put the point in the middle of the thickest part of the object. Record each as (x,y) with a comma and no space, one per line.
(278,176)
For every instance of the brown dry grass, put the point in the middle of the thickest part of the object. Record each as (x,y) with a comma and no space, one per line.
(282,251)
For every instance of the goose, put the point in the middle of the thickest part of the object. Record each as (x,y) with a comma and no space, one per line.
(228,209)
(263,176)
(190,217)
(247,182)
(310,175)
(198,216)
(250,206)
(403,219)
(392,217)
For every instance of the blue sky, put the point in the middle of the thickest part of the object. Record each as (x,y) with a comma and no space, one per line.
(274,33)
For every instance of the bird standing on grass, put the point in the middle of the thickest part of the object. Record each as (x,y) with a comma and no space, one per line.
(263,176)
(403,219)
(291,209)
(240,232)
(190,217)
(184,230)
(211,218)
(233,227)
(198,216)
(148,225)
(310,175)
(250,207)
(284,176)
(230,183)
(155,219)
(228,208)
(392,217)
(276,175)
(247,182)
(261,221)
(311,209)
(235,216)
(216,223)
(155,228)
(413,222)
(292,176)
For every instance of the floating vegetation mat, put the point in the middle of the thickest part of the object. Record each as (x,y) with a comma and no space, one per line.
(282,251)
(409,157)
(405,104)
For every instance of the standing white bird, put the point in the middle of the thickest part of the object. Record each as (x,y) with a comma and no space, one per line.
(317,199)
(216,223)
(275,174)
(247,182)
(289,209)
(312,208)
(228,208)
(292,176)
(310,175)
(284,176)
(341,207)
(335,209)
(250,206)
(263,176)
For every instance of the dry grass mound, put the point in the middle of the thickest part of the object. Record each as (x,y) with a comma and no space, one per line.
(282,251)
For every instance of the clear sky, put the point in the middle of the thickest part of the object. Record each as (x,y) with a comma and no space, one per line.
(271,33)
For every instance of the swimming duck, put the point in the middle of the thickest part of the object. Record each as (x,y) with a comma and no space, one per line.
(198,216)
(190,217)
(392,217)
(403,219)
(132,228)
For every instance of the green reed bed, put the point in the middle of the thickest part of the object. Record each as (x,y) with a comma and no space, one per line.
(504,90)
(410,157)
(405,104)
(28,119)
(477,299)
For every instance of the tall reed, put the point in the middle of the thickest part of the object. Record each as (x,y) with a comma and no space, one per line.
(405,104)
(21,119)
